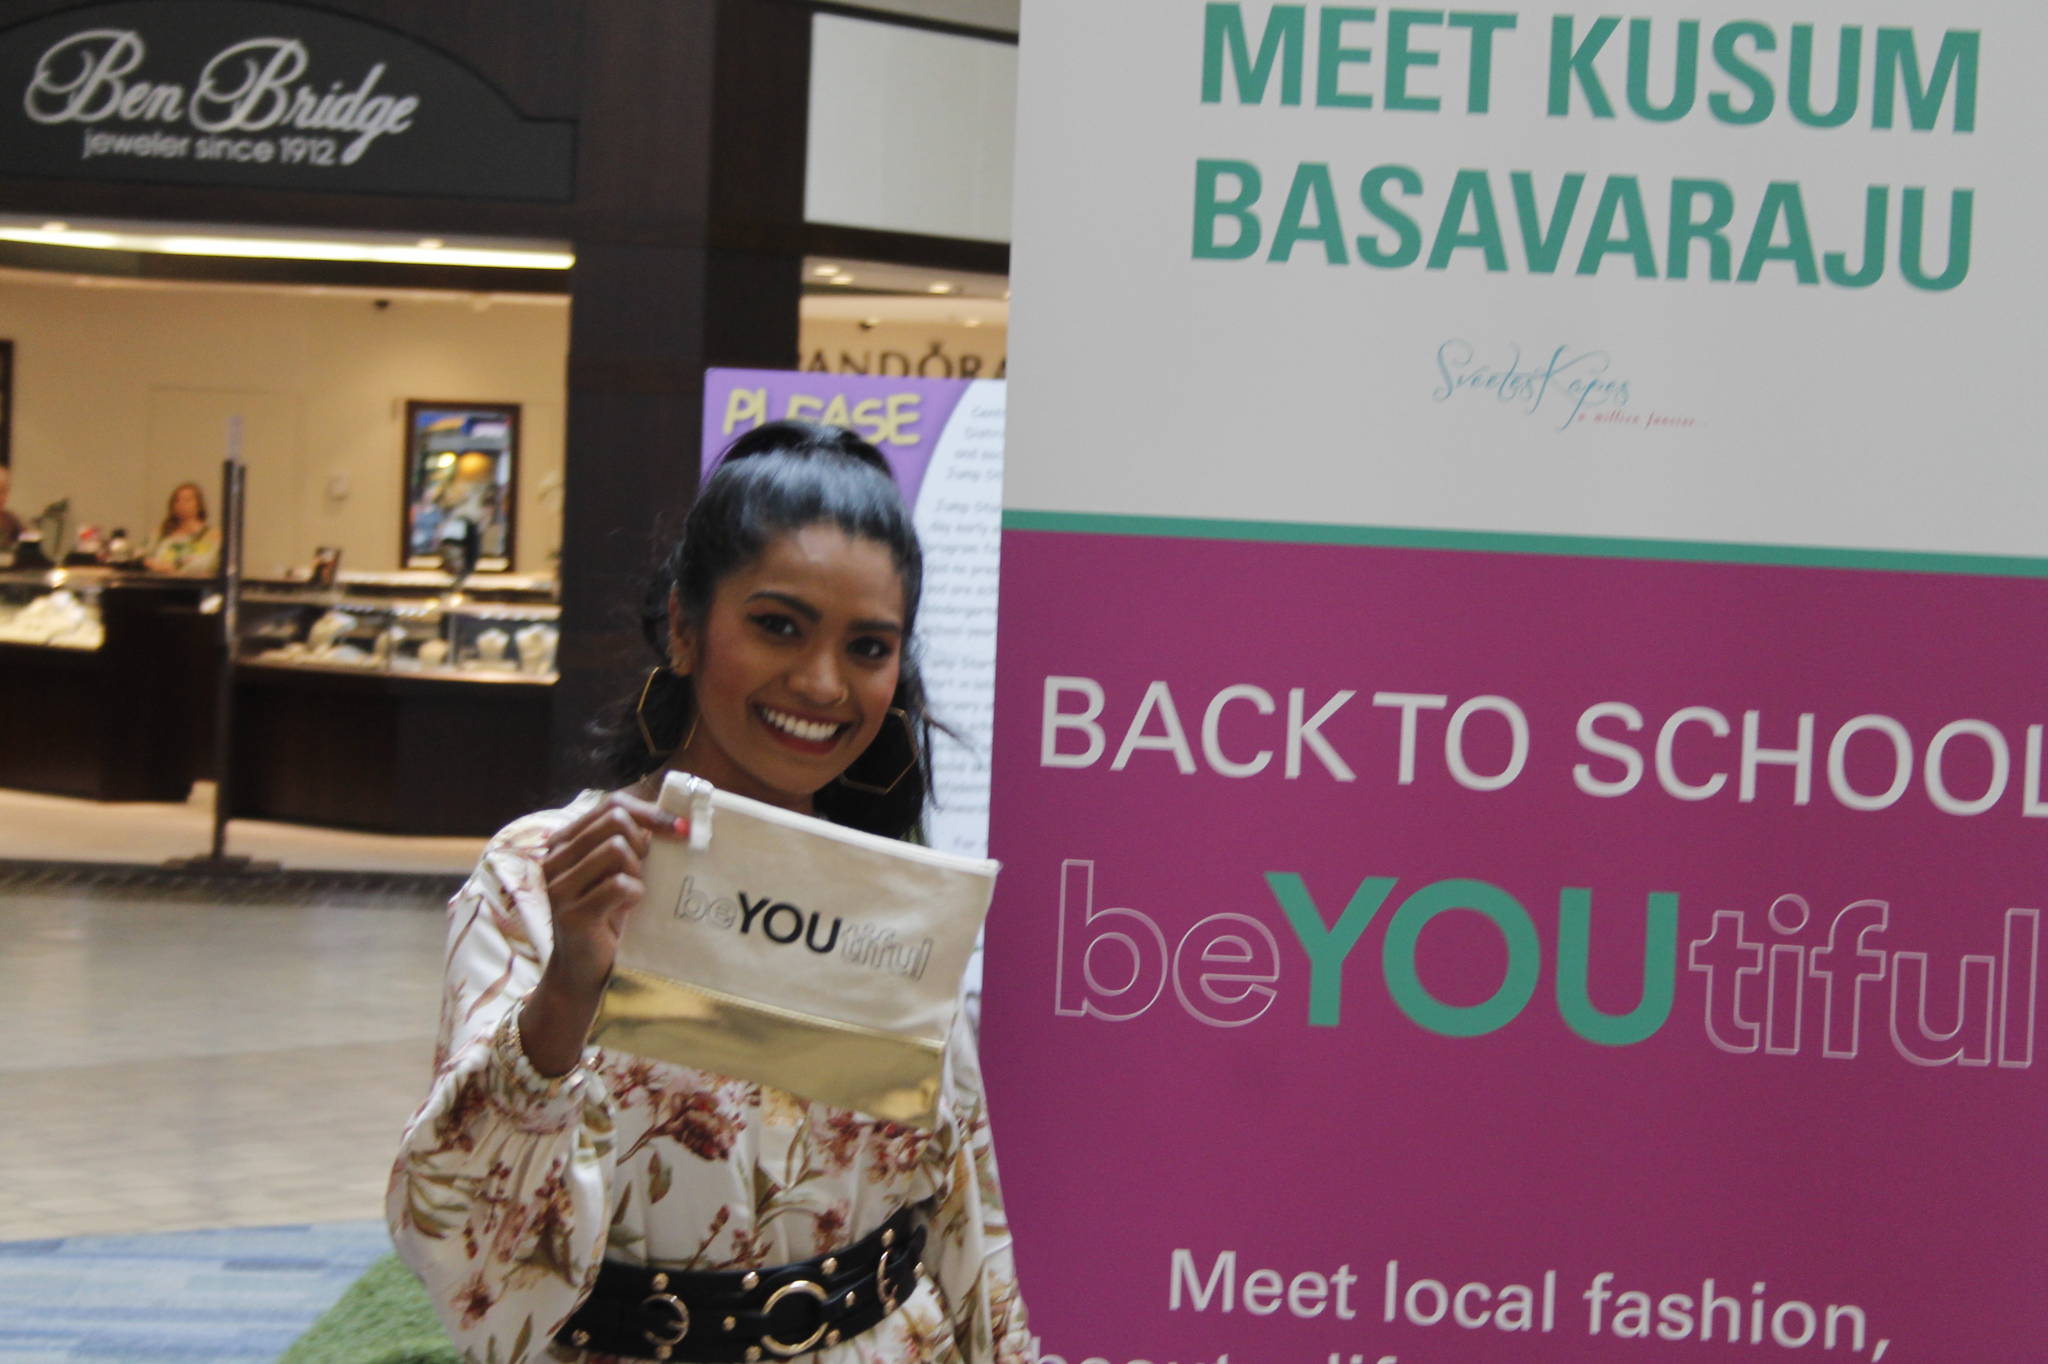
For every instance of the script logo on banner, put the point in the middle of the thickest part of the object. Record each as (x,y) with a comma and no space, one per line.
(1566,384)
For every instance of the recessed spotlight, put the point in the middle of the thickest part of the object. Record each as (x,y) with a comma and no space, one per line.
(824,271)
(941,287)
(54,226)
(431,243)
(840,279)
(972,322)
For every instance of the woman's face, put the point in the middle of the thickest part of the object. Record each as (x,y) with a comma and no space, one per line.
(185,503)
(794,665)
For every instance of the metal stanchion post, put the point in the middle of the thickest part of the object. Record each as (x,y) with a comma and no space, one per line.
(234,496)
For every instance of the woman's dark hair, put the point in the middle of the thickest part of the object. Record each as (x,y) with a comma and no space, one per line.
(171,506)
(773,480)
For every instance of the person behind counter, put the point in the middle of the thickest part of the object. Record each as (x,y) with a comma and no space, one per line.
(10,524)
(548,1192)
(187,543)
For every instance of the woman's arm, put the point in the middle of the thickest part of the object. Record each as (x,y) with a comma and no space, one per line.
(500,1198)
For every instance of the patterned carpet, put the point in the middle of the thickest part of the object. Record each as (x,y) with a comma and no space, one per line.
(191,1297)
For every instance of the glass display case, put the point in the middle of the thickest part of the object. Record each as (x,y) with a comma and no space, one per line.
(54,608)
(495,629)
(105,679)
(394,701)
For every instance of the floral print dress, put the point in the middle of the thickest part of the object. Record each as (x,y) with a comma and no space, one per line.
(511,1188)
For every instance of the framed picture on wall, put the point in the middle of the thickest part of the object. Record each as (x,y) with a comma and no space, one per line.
(6,402)
(461,485)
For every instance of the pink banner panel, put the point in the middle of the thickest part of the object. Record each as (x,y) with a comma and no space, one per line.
(1497,958)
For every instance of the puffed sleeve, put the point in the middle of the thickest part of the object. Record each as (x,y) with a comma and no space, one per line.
(498,1199)
(969,1250)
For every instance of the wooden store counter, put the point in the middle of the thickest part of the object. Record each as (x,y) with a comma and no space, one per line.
(105,683)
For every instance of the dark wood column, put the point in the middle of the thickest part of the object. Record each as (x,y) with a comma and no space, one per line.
(688,255)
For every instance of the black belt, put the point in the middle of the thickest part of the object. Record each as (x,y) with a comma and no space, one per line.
(729,1316)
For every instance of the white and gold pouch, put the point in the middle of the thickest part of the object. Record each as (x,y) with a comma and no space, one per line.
(794,952)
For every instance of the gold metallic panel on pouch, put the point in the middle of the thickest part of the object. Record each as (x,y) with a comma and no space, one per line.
(878,1073)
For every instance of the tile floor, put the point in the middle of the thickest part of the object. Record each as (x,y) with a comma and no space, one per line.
(167,1062)
(52,828)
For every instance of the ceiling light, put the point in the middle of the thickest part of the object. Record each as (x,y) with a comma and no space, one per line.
(54,226)
(502,258)
(61,237)
(431,243)
(941,287)
(840,279)
(824,271)
(253,247)
(972,322)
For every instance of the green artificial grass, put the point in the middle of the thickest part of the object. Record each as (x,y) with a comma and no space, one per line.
(383,1318)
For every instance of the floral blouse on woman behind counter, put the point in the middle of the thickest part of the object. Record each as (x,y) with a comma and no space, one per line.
(511,1188)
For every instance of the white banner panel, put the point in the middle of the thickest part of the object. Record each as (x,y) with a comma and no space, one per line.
(1498,257)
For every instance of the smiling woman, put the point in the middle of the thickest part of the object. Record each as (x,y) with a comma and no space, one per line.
(787,607)
(557,1199)
(794,665)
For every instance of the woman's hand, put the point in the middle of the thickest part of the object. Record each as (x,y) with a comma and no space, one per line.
(592,870)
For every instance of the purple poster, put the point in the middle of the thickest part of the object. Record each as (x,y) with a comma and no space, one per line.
(903,418)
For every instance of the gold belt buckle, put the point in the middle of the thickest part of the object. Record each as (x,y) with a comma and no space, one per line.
(671,1335)
(808,1289)
(882,1289)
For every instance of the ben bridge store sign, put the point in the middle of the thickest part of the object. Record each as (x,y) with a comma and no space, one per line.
(227,92)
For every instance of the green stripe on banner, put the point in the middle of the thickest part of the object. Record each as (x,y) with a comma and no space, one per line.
(1505,542)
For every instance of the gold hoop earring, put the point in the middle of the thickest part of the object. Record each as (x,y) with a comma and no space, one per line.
(910,740)
(655,750)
